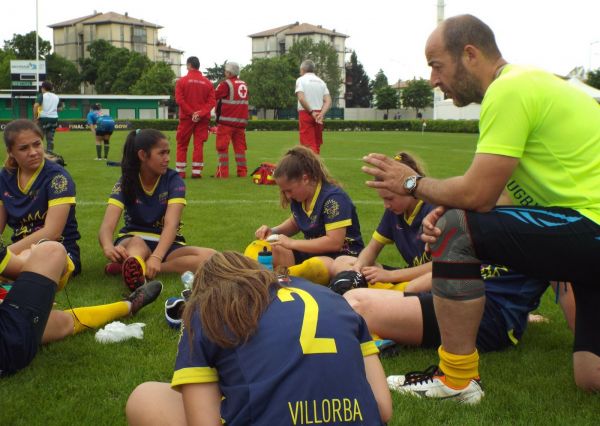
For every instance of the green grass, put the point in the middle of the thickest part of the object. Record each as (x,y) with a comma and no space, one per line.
(79,381)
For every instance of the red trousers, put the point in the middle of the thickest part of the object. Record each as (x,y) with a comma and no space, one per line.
(237,135)
(185,130)
(311,133)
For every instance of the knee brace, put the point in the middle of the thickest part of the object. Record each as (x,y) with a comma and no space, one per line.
(456,269)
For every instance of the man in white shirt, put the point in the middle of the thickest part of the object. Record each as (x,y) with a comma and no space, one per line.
(313,103)
(46,110)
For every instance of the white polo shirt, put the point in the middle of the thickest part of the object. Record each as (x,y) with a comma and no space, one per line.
(314,90)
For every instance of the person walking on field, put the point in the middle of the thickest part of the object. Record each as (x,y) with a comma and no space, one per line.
(46,109)
(195,96)
(232,118)
(313,103)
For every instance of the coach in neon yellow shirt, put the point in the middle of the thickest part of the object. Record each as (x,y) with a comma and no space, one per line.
(539,143)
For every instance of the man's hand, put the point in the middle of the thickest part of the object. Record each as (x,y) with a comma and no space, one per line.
(430,231)
(196,116)
(390,173)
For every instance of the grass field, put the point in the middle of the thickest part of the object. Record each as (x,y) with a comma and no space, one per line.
(78,381)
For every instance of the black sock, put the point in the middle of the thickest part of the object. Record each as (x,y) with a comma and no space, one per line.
(106,146)
(98,151)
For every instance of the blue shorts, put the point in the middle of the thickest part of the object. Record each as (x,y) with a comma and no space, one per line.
(492,334)
(23,318)
(152,245)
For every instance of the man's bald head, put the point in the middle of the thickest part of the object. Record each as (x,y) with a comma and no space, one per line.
(459,31)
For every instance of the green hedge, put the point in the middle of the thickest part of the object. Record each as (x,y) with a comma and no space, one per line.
(447,126)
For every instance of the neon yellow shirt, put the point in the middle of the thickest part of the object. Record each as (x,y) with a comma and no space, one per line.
(554,129)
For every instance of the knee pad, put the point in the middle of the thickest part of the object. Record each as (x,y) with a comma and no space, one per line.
(456,269)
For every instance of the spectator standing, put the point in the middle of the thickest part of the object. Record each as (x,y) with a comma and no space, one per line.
(313,103)
(195,96)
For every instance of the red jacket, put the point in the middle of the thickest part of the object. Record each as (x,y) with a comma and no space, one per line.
(232,95)
(194,93)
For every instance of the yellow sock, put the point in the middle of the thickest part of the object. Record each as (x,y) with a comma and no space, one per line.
(312,269)
(97,316)
(69,268)
(459,369)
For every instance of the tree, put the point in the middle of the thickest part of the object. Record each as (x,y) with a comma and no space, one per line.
(99,51)
(109,69)
(215,74)
(417,94)
(159,79)
(594,78)
(358,92)
(62,73)
(23,46)
(271,82)
(380,81)
(387,98)
(131,73)
(326,62)
(5,58)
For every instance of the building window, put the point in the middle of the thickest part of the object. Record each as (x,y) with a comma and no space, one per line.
(147,114)
(282,47)
(126,114)
(139,39)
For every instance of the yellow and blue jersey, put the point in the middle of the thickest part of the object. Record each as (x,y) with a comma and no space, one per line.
(145,217)
(304,365)
(405,232)
(26,208)
(331,208)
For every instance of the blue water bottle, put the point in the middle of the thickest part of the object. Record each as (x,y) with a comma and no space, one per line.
(265,258)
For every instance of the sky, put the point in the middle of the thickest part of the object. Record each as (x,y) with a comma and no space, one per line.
(386,34)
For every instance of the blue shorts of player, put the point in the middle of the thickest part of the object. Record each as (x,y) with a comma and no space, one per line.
(551,243)
(492,334)
(103,133)
(23,318)
(152,244)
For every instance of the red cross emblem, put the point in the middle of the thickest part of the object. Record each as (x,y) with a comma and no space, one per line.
(242,91)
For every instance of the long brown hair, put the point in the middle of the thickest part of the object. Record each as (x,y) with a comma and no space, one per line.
(300,161)
(11,131)
(231,291)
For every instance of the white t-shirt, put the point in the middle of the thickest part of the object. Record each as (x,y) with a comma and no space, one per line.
(49,105)
(314,90)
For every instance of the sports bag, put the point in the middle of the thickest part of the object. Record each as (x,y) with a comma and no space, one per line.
(263,174)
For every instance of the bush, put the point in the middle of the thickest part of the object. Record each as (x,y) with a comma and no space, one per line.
(444,126)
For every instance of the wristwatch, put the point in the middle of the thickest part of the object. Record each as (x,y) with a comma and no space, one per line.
(410,184)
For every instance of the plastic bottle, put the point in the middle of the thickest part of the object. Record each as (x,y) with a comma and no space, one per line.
(187,278)
(265,258)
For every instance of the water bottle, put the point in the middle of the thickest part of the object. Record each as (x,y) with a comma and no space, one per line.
(265,258)
(187,278)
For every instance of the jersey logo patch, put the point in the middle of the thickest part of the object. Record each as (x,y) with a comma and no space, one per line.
(331,209)
(117,188)
(59,184)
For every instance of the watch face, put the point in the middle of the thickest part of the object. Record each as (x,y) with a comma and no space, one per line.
(410,183)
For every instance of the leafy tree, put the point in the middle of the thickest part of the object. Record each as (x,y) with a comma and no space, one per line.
(215,74)
(271,82)
(5,58)
(131,73)
(62,73)
(109,69)
(158,79)
(99,52)
(380,81)
(326,62)
(23,46)
(358,94)
(594,78)
(386,98)
(417,94)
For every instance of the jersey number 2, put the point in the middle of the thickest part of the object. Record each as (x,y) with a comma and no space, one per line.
(309,343)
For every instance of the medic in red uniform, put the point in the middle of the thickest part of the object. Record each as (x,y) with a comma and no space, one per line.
(195,96)
(232,117)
